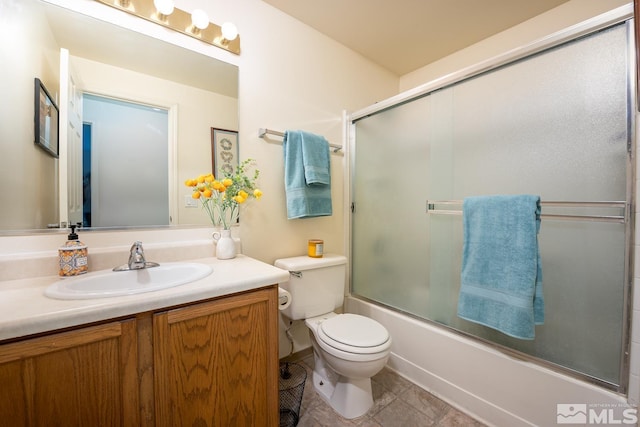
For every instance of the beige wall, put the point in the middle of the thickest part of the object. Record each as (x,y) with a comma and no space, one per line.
(27,173)
(291,77)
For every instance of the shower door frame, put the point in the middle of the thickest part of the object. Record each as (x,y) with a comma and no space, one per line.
(603,21)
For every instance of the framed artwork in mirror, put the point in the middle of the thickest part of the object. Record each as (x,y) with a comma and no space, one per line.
(45,120)
(224,152)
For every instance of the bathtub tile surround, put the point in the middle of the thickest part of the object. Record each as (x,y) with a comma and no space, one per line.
(397,402)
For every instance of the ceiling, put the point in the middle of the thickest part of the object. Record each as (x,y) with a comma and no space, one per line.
(404,35)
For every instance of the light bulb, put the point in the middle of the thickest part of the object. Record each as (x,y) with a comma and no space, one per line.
(200,19)
(229,31)
(164,7)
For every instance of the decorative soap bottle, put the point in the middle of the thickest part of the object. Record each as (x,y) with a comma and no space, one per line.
(73,256)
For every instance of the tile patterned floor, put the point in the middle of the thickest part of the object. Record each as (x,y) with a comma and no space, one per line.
(397,403)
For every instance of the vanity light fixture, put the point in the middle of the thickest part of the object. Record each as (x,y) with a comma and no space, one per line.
(164,8)
(229,33)
(200,19)
(196,24)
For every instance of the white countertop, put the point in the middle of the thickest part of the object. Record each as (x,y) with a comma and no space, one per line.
(25,310)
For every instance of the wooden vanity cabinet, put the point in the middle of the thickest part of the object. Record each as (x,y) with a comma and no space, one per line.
(216,363)
(212,363)
(83,377)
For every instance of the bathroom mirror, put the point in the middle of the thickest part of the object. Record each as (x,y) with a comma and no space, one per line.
(32,33)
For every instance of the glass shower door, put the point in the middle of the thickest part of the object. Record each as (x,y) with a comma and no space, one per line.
(554,124)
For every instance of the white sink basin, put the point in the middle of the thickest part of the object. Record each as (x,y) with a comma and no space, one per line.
(117,283)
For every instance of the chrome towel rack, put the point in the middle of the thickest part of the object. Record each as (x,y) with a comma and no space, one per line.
(262,132)
(432,208)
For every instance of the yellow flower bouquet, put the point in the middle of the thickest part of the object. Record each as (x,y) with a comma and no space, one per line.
(221,197)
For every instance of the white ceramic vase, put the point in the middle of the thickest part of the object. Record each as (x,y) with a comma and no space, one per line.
(225,245)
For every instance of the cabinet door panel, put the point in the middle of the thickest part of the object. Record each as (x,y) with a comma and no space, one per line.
(75,378)
(216,362)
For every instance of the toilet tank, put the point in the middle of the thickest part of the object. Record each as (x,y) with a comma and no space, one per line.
(316,285)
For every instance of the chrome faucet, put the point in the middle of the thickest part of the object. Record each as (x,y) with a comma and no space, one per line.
(136,259)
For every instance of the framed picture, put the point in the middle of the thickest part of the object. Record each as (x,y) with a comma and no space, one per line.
(45,120)
(224,152)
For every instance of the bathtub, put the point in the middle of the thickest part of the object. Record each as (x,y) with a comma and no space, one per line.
(492,386)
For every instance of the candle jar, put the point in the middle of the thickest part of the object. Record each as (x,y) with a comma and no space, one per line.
(315,248)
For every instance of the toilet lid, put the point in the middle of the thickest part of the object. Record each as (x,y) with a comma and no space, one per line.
(354,330)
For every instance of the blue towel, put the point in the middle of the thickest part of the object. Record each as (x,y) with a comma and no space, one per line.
(307,175)
(501,280)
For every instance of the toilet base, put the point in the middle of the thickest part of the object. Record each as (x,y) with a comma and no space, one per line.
(349,397)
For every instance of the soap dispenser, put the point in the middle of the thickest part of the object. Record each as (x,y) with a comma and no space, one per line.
(73,256)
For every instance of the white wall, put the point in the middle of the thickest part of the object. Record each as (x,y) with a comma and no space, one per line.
(634,369)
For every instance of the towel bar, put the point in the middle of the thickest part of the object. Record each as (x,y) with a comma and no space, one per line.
(263,131)
(620,219)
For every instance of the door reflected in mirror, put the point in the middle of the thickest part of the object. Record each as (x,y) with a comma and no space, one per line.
(125,164)
(195,91)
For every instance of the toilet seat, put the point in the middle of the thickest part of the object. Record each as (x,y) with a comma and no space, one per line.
(354,334)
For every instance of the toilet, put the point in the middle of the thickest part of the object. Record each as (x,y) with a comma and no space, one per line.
(348,349)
